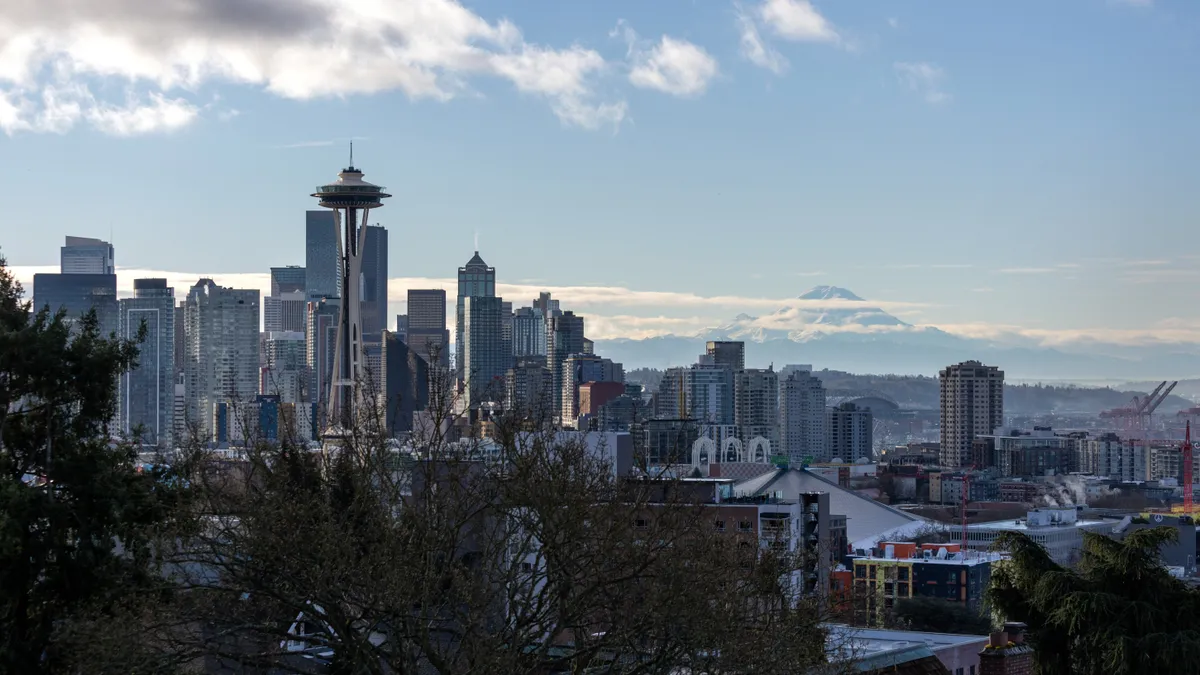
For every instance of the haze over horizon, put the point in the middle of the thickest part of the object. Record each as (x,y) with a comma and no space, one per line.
(1021,174)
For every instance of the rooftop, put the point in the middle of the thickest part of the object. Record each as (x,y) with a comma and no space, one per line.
(1022,524)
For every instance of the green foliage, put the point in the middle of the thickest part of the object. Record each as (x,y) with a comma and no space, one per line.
(76,518)
(1119,613)
(937,615)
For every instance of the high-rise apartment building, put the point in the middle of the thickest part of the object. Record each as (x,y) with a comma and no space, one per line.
(564,340)
(374,283)
(286,371)
(972,402)
(286,308)
(803,419)
(528,387)
(83,255)
(221,353)
(484,362)
(731,355)
(319,350)
(147,391)
(506,331)
(581,368)
(323,267)
(710,394)
(475,280)
(426,332)
(549,309)
(756,405)
(528,332)
(851,432)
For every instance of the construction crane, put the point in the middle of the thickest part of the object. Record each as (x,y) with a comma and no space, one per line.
(1187,468)
(1135,418)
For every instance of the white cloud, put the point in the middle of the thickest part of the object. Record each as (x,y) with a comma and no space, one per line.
(893,22)
(796,20)
(1135,3)
(924,78)
(793,20)
(135,118)
(675,67)
(755,50)
(297,49)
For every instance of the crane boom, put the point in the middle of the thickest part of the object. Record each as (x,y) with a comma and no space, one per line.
(1141,404)
(1158,401)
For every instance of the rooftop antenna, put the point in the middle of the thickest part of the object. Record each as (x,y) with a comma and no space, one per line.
(351,154)
(477,241)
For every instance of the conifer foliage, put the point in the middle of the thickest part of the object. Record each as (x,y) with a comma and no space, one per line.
(1120,612)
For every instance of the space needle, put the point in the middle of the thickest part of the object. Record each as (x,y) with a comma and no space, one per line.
(349,196)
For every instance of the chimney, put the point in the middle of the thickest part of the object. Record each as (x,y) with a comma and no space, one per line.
(1006,652)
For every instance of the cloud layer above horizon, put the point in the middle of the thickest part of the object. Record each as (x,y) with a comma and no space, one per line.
(614,311)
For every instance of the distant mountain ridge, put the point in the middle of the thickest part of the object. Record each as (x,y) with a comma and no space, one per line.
(867,339)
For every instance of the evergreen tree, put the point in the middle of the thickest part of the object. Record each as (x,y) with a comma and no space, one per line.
(1119,612)
(76,517)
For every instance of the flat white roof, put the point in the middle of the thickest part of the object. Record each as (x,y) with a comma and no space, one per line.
(1022,525)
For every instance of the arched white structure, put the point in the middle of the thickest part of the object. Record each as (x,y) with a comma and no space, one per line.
(758,443)
(731,450)
(704,452)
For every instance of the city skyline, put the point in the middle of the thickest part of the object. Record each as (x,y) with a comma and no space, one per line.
(909,154)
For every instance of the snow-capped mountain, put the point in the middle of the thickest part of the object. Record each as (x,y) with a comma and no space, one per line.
(832,327)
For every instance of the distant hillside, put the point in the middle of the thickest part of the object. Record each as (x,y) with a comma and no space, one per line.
(921,392)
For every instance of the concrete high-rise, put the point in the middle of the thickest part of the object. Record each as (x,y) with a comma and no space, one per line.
(581,368)
(802,418)
(475,280)
(374,283)
(528,385)
(426,332)
(322,266)
(756,405)
(221,352)
(350,197)
(147,391)
(564,340)
(485,363)
(83,255)
(851,432)
(731,355)
(319,351)
(286,308)
(972,404)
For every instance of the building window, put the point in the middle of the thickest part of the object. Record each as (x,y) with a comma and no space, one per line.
(641,523)
(745,525)
(720,525)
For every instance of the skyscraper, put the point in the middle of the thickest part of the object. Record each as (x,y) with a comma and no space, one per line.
(289,279)
(731,355)
(475,280)
(851,432)
(77,294)
(374,283)
(404,386)
(147,391)
(323,267)
(528,332)
(285,374)
(83,255)
(350,196)
(506,332)
(803,419)
(484,361)
(427,332)
(319,350)
(581,368)
(221,359)
(565,340)
(972,402)
(756,405)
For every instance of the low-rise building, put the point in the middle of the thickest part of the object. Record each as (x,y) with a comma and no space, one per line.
(901,570)
(1059,531)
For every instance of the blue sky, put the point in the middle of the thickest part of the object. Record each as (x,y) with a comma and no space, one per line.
(1017,169)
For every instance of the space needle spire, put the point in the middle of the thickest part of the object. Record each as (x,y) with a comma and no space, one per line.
(352,199)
